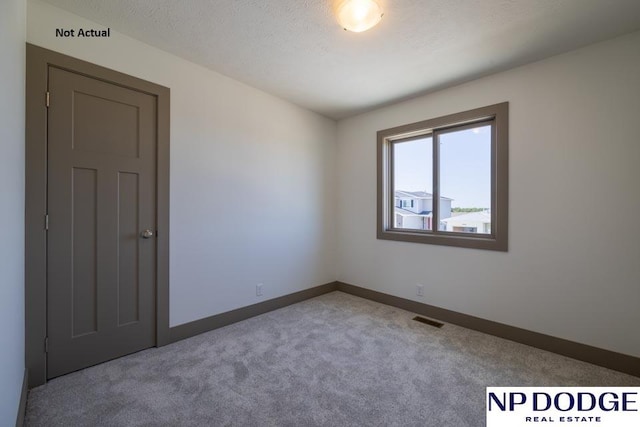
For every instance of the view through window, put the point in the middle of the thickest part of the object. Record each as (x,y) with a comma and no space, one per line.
(444,179)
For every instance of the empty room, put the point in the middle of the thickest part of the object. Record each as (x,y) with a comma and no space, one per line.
(319,213)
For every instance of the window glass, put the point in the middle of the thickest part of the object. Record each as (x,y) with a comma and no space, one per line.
(413,183)
(465,180)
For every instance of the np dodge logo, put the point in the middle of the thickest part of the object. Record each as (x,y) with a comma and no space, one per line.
(585,406)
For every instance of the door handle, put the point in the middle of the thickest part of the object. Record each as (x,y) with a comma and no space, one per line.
(146,234)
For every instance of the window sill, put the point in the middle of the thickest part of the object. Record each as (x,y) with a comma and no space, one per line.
(492,243)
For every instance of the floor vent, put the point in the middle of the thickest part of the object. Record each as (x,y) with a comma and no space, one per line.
(428,322)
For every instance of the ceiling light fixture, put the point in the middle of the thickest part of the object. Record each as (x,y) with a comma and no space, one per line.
(359,15)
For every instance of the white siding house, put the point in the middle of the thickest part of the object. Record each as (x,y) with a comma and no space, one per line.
(472,222)
(414,210)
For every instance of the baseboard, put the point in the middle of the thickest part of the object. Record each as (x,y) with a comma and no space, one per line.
(22,407)
(586,353)
(197,327)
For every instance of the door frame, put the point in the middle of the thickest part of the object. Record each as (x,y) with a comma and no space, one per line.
(38,62)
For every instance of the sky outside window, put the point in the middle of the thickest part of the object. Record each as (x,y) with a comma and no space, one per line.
(465,166)
(413,165)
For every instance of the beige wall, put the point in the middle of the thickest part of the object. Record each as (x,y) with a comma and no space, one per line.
(229,143)
(12,70)
(573,266)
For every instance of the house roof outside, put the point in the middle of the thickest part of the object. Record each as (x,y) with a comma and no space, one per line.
(484,217)
(405,212)
(416,195)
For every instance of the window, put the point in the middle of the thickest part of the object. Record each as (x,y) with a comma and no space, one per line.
(443,181)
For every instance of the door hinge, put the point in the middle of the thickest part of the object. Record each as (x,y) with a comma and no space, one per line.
(46,222)
(47,99)
(46,345)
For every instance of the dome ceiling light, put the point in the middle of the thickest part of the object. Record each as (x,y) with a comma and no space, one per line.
(359,15)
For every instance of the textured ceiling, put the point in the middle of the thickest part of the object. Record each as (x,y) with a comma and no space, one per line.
(296,50)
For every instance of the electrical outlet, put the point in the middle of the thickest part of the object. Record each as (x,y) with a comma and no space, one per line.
(420,290)
(259,290)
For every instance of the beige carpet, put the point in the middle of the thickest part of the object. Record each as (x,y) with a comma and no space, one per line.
(335,360)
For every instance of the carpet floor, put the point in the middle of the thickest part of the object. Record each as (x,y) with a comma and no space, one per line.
(334,360)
